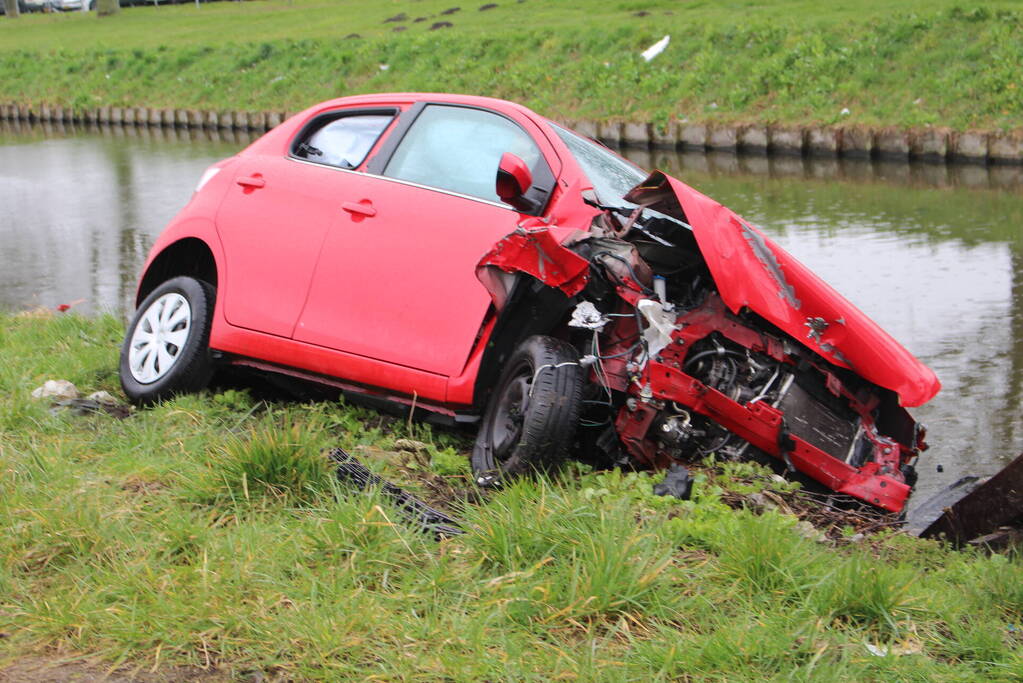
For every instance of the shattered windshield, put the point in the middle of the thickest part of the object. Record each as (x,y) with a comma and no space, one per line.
(612,176)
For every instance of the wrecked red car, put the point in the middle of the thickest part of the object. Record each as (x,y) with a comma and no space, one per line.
(470,258)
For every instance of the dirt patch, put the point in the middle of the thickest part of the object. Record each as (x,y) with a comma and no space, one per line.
(142,487)
(67,670)
(449,494)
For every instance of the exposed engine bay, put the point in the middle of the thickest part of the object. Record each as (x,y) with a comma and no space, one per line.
(676,374)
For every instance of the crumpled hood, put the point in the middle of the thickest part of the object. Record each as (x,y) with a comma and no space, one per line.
(752,271)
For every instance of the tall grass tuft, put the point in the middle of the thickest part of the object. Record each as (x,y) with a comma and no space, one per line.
(278,461)
(764,556)
(865,593)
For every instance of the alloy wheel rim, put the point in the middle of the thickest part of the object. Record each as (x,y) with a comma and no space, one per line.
(159,338)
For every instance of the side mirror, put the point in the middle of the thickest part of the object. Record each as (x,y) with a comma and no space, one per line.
(513,181)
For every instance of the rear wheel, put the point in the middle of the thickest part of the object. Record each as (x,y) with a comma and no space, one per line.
(531,418)
(166,347)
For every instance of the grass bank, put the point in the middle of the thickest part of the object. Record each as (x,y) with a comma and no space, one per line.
(912,63)
(207,533)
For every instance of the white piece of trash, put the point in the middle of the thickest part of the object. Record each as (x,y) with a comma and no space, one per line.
(655,49)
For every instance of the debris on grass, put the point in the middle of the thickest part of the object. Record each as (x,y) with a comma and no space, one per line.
(677,483)
(351,471)
(834,517)
(56,388)
(655,49)
(88,406)
(411,445)
(65,396)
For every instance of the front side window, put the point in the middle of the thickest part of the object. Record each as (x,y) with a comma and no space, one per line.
(612,176)
(458,149)
(343,142)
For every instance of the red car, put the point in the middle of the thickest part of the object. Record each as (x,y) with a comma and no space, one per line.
(471,258)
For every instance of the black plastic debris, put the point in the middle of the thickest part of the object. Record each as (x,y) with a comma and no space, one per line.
(86,406)
(677,482)
(976,510)
(352,472)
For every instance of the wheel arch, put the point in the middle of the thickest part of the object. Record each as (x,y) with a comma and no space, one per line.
(189,256)
(531,308)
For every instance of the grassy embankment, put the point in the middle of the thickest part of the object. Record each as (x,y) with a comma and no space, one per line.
(912,63)
(206,532)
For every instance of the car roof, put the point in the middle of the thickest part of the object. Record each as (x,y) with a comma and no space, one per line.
(411,98)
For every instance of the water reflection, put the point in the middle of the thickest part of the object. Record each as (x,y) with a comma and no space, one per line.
(83,205)
(934,253)
(841,170)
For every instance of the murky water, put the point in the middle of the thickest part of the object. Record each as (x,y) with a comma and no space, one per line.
(933,253)
(80,210)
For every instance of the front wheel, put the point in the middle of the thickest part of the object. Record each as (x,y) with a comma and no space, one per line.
(166,347)
(531,418)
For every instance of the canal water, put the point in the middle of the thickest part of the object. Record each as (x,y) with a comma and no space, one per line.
(933,253)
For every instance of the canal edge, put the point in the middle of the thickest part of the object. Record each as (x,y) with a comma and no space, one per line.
(931,144)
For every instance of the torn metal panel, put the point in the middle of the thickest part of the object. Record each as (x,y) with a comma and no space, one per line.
(752,272)
(536,252)
(769,260)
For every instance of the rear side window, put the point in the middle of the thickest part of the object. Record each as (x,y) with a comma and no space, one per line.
(342,142)
(458,149)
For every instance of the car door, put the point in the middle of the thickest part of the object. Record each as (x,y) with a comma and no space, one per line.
(273,219)
(396,277)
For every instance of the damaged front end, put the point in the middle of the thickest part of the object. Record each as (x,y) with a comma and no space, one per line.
(700,336)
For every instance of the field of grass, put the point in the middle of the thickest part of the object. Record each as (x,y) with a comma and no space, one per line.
(908,63)
(208,533)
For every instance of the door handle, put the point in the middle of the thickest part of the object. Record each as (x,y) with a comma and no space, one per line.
(251,181)
(360,208)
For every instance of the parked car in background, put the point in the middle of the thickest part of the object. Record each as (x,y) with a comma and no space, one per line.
(471,258)
(68,5)
(35,5)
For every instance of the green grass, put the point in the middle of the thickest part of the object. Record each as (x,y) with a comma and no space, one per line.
(910,63)
(207,532)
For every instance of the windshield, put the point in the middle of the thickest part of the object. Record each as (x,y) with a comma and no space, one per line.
(612,176)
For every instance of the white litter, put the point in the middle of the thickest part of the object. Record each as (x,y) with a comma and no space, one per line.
(655,49)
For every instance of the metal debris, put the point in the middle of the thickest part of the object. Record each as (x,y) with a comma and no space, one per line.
(983,507)
(351,471)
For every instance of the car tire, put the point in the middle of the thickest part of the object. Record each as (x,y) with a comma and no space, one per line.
(166,346)
(532,414)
